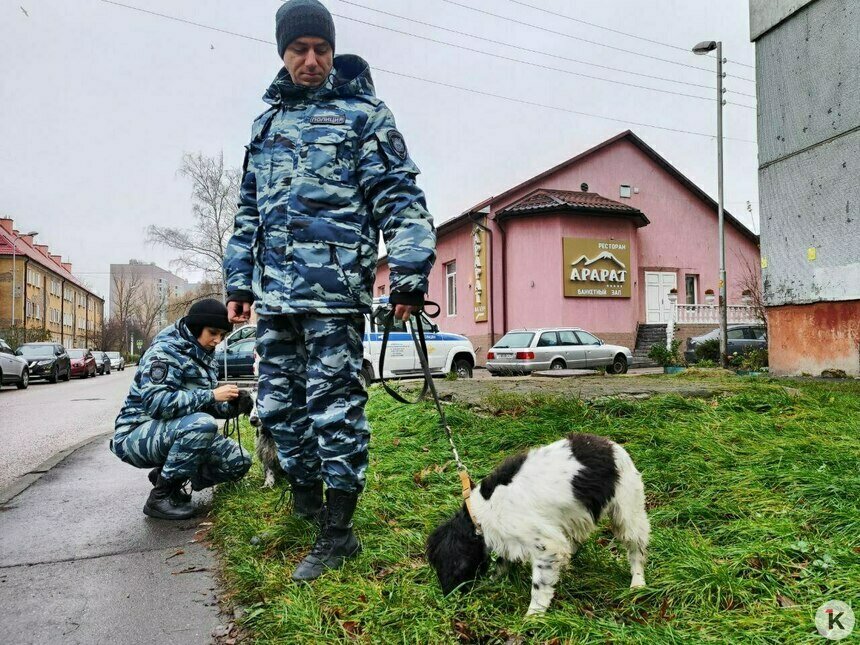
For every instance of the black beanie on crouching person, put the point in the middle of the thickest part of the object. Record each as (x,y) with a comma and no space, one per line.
(297,18)
(207,313)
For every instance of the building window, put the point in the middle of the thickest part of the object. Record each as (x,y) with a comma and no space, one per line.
(451,287)
(626,191)
(691,288)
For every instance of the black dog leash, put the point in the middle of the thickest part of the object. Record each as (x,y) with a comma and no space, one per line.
(232,424)
(420,341)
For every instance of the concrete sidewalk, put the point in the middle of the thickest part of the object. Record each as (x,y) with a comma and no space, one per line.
(80,563)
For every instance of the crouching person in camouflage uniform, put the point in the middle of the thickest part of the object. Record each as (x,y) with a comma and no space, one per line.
(325,172)
(168,420)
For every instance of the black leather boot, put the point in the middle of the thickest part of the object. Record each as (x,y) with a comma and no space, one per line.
(308,503)
(162,503)
(179,495)
(336,542)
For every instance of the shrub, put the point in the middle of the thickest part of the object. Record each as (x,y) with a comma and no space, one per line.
(706,363)
(665,356)
(708,350)
(752,361)
(17,336)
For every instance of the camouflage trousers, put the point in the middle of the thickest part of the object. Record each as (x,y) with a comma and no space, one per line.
(187,448)
(310,397)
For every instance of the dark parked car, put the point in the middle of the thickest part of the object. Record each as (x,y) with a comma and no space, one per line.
(102,361)
(47,360)
(83,363)
(240,359)
(741,338)
(13,368)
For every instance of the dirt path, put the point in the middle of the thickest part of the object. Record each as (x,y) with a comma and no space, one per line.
(472,391)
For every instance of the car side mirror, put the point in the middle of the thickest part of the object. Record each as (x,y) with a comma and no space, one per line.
(18,352)
(600,341)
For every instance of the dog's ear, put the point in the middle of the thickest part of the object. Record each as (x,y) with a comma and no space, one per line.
(456,552)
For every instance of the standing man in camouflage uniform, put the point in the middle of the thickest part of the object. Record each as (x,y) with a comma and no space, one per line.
(325,172)
(168,420)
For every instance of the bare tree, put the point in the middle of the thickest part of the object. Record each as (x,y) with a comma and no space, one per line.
(126,289)
(214,194)
(114,336)
(751,286)
(152,308)
(178,306)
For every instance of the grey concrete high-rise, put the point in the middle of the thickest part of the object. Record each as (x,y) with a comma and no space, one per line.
(808,87)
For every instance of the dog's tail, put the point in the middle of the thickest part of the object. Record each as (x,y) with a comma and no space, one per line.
(627,509)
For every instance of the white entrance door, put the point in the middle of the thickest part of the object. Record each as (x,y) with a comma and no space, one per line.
(657,287)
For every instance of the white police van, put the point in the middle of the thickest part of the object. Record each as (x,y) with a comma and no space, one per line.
(447,353)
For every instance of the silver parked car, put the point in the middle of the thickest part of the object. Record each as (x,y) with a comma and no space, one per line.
(555,348)
(117,362)
(13,368)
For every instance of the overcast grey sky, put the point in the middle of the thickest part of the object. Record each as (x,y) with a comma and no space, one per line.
(98,102)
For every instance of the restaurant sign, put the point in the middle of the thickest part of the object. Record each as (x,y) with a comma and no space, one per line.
(596,268)
(479,246)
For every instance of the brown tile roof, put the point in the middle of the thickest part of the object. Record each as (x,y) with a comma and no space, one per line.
(546,200)
(40,256)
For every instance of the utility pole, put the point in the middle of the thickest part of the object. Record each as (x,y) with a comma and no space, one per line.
(702,49)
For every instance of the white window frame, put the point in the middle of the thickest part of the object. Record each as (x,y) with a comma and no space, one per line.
(695,293)
(451,288)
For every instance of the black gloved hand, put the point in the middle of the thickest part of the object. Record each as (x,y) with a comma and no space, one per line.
(243,404)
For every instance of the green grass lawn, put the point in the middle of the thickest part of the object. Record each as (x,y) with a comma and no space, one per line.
(754,502)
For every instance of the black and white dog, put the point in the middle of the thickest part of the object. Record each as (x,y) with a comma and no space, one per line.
(540,507)
(267,451)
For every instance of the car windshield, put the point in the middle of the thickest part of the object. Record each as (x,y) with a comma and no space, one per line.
(37,351)
(515,339)
(77,353)
(113,354)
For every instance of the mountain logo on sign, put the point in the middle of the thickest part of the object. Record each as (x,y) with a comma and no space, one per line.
(598,275)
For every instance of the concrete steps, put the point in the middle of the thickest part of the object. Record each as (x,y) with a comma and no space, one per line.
(647,336)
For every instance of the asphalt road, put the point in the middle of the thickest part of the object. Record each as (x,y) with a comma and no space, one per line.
(46,418)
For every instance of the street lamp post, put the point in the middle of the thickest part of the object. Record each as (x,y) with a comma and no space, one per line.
(15,266)
(702,49)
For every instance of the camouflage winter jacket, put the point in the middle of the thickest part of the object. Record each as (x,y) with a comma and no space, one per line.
(325,172)
(175,378)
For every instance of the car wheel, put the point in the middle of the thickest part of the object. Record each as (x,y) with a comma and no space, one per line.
(462,368)
(619,365)
(558,364)
(365,376)
(68,375)
(25,380)
(55,375)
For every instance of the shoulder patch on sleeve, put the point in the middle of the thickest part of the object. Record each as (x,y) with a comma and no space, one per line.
(158,371)
(398,144)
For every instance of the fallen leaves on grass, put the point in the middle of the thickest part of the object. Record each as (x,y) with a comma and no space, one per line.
(420,478)
(785,601)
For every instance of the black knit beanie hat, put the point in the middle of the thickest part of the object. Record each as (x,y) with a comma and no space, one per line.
(207,313)
(297,18)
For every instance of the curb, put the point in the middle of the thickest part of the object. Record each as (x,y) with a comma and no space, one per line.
(8,493)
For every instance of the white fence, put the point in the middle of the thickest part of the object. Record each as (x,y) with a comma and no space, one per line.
(707,315)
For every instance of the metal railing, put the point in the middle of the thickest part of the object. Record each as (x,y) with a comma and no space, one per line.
(707,315)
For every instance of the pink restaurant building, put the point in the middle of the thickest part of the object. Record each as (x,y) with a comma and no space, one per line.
(597,242)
